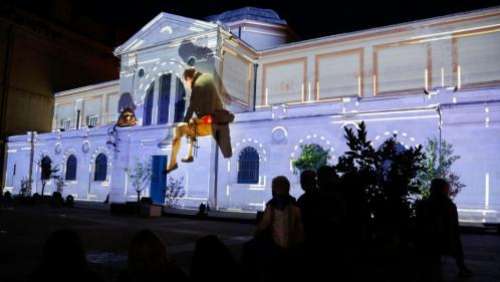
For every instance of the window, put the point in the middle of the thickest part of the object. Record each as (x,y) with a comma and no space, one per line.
(71,168)
(92,120)
(248,166)
(101,167)
(164,98)
(148,105)
(65,124)
(180,101)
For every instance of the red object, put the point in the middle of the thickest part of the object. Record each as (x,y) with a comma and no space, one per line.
(206,119)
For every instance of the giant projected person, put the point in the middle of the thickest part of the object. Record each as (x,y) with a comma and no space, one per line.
(205,116)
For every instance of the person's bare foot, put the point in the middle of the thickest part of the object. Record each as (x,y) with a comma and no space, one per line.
(172,168)
(189,159)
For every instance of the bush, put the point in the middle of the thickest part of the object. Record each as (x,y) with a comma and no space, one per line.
(70,201)
(146,201)
(7,197)
(386,176)
(36,198)
(312,157)
(57,200)
(438,163)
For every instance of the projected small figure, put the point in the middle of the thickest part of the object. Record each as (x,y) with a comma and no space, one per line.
(211,117)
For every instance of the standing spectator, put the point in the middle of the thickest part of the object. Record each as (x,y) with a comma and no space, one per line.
(282,217)
(438,231)
(63,259)
(277,243)
(210,255)
(148,261)
(309,205)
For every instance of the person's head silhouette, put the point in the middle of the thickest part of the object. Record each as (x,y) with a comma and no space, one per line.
(64,250)
(280,186)
(327,178)
(308,180)
(439,188)
(209,254)
(147,253)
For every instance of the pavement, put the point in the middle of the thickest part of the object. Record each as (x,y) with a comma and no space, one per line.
(24,229)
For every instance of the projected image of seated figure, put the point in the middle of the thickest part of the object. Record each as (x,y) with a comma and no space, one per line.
(205,116)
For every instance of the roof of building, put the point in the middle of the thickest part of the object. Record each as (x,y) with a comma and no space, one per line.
(248,13)
(101,85)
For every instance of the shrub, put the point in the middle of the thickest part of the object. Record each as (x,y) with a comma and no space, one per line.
(70,201)
(57,199)
(312,157)
(439,159)
(36,198)
(146,201)
(387,177)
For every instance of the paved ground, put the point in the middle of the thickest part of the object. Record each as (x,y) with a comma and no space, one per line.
(24,229)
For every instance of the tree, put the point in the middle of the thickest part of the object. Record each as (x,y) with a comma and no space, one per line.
(25,187)
(437,164)
(141,176)
(47,170)
(174,191)
(60,183)
(312,157)
(387,177)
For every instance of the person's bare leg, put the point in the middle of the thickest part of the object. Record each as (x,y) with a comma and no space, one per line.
(201,130)
(180,131)
(189,157)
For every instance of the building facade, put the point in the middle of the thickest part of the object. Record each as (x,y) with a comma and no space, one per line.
(431,78)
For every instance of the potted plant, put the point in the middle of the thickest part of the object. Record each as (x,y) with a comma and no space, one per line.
(47,170)
(141,177)
(174,191)
(312,157)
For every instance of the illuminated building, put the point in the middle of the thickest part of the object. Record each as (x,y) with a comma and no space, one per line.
(430,78)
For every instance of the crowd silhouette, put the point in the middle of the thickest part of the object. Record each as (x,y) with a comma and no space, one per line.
(326,234)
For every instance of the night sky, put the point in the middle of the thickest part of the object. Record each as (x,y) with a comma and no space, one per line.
(309,19)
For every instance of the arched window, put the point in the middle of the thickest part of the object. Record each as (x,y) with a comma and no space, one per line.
(248,166)
(71,168)
(148,105)
(164,98)
(180,101)
(125,101)
(46,165)
(101,167)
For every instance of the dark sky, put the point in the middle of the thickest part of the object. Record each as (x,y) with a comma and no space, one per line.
(309,18)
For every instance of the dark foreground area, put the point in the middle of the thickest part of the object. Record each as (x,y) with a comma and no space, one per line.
(23,231)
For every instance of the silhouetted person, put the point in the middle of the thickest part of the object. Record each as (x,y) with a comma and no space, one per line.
(212,261)
(356,217)
(309,205)
(202,210)
(63,259)
(332,215)
(332,202)
(438,231)
(148,261)
(278,239)
(282,217)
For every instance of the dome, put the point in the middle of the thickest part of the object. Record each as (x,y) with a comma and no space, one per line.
(248,13)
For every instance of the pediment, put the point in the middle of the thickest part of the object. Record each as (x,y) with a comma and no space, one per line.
(163,28)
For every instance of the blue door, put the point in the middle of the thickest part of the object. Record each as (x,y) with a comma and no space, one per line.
(158,180)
